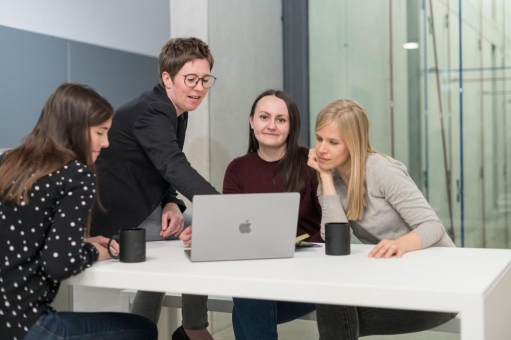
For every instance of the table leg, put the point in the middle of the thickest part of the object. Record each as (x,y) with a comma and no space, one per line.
(488,317)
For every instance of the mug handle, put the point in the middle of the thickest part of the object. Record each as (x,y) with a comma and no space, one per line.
(115,237)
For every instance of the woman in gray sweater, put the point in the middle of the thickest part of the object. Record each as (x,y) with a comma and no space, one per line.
(384,207)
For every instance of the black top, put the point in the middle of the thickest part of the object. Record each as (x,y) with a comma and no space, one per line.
(144,164)
(41,244)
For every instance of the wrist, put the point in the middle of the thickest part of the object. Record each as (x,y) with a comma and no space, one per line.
(326,178)
(171,206)
(401,243)
(326,175)
(94,251)
(410,242)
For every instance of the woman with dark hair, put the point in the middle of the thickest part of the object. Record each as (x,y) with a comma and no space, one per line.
(275,162)
(47,188)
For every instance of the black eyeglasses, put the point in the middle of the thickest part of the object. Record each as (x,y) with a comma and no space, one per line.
(191,80)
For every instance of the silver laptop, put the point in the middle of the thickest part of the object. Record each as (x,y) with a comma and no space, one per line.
(243,227)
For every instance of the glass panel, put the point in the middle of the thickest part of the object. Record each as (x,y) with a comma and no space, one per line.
(357,52)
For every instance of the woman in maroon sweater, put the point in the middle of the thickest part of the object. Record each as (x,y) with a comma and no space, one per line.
(275,162)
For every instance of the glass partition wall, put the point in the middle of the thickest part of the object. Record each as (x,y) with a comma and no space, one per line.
(432,75)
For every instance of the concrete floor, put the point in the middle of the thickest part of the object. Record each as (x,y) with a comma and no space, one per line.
(306,330)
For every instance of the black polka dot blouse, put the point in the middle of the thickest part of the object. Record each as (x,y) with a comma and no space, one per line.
(41,244)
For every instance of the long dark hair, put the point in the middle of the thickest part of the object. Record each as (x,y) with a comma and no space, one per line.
(291,165)
(60,136)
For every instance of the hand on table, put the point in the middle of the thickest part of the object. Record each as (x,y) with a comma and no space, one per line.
(388,248)
(172,220)
(103,241)
(103,252)
(398,247)
(186,236)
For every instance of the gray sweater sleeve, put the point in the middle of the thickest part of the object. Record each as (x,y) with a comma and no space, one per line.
(401,192)
(331,207)
(394,206)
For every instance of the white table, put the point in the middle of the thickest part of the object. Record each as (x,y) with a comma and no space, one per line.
(474,282)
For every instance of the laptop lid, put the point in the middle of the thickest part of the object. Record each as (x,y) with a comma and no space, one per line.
(245,226)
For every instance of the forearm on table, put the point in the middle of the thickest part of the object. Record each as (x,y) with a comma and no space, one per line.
(410,241)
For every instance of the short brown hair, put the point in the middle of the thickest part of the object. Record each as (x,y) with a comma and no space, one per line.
(178,51)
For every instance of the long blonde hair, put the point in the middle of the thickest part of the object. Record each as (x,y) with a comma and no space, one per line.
(353,123)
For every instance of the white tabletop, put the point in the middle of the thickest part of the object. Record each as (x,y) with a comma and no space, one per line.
(438,279)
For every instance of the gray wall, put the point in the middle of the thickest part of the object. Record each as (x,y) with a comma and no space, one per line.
(349,59)
(32,65)
(127,25)
(246,39)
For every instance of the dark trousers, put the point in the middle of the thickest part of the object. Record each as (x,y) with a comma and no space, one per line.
(194,308)
(350,323)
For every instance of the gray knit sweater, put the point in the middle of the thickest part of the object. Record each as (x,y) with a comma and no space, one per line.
(394,206)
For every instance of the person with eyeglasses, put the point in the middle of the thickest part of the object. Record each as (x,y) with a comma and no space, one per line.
(144,168)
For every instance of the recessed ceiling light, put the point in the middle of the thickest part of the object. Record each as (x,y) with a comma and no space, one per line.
(411,46)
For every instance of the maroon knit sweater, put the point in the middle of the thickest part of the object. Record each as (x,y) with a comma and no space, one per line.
(250,174)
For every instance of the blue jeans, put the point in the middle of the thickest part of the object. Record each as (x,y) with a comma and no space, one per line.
(258,319)
(92,326)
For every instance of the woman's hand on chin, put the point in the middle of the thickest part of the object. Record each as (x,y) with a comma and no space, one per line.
(313,160)
(326,176)
(313,163)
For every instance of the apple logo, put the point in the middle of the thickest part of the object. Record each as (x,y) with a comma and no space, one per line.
(245,227)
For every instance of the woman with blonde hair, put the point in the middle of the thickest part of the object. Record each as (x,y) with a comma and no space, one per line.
(384,207)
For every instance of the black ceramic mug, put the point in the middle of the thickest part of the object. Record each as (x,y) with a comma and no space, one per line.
(337,238)
(131,244)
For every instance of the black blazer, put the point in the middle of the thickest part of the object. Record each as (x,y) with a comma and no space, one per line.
(144,164)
